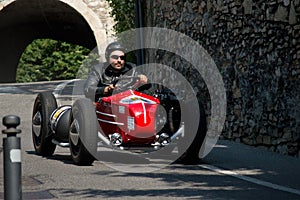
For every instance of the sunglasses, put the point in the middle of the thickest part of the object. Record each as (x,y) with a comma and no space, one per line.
(116,57)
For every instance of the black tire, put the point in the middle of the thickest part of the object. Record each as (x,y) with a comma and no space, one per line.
(83,131)
(45,103)
(191,155)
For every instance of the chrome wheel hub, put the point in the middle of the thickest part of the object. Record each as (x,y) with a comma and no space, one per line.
(74,132)
(37,124)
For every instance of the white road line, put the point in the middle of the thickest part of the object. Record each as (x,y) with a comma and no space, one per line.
(251,180)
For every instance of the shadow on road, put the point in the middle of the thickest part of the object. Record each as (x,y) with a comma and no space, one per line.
(66,159)
(186,182)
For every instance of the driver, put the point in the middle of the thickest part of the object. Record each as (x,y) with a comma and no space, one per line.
(101,79)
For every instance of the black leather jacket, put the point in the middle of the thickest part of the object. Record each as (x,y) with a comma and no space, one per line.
(102,76)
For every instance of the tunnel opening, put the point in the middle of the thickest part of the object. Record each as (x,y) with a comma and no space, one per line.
(22,22)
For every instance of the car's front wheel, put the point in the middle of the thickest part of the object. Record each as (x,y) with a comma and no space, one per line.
(191,154)
(83,132)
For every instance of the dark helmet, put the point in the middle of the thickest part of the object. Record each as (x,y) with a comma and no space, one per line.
(113,47)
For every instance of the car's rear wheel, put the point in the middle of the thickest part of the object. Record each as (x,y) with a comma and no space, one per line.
(45,103)
(83,132)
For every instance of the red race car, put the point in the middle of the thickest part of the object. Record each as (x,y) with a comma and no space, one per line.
(129,120)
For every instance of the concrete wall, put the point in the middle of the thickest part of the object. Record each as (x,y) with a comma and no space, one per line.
(82,22)
(256,46)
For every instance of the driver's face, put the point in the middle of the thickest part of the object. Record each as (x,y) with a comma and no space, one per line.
(117,59)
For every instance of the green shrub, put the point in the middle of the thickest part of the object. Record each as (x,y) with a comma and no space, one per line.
(47,60)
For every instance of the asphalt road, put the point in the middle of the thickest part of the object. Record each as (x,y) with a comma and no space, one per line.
(231,171)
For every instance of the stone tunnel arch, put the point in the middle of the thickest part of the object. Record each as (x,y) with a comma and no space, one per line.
(21,22)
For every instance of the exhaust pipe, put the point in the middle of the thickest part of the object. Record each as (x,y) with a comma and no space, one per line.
(116,139)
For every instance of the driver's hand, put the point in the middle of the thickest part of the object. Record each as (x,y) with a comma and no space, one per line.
(143,79)
(109,88)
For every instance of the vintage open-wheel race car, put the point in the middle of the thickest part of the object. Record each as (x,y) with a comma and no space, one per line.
(129,120)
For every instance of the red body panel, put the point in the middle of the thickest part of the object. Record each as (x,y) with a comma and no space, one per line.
(131,114)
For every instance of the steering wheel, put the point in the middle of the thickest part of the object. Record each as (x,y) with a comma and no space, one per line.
(126,83)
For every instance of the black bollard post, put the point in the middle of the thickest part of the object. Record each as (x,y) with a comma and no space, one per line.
(12,159)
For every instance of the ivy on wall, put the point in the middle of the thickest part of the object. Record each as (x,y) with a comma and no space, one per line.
(123,14)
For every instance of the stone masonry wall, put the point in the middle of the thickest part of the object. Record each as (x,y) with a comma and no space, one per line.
(102,9)
(256,46)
